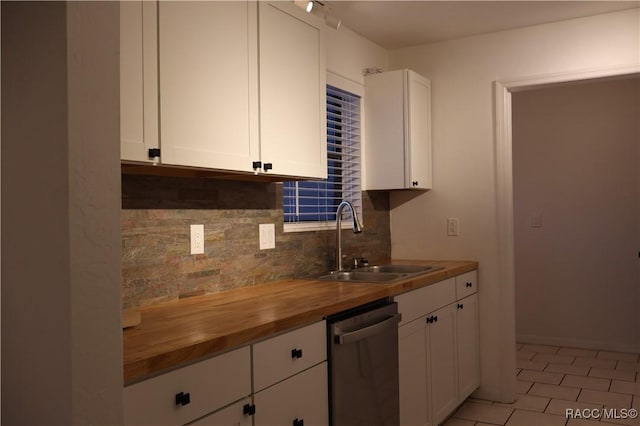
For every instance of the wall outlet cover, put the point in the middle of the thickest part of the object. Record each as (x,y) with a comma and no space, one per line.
(197,239)
(267,236)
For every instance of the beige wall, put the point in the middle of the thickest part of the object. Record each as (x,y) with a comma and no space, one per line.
(348,53)
(61,333)
(462,73)
(576,162)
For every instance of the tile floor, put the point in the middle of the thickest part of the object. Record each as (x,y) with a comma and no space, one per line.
(552,379)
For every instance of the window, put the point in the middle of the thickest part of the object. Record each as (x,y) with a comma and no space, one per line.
(312,204)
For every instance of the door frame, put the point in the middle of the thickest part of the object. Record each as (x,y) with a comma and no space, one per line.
(502,90)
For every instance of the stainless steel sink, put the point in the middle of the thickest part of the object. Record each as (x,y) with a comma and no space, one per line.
(362,276)
(382,274)
(401,269)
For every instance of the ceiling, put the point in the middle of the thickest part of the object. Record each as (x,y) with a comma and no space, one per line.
(396,24)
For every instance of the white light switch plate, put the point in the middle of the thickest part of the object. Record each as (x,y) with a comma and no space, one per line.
(452,226)
(267,236)
(536,220)
(197,239)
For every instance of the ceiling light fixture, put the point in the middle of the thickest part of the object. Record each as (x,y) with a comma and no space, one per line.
(320,9)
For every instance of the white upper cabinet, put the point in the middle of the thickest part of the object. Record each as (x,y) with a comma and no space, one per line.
(241,86)
(292,91)
(398,131)
(208,84)
(138,80)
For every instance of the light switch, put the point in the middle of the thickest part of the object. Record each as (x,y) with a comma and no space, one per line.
(536,220)
(452,226)
(267,236)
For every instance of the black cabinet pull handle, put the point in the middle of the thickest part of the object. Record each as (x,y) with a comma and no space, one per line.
(183,398)
(414,183)
(435,319)
(460,306)
(257,165)
(249,409)
(298,422)
(267,166)
(296,353)
(154,152)
(469,284)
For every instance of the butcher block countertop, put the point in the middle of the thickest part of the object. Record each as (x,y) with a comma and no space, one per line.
(177,333)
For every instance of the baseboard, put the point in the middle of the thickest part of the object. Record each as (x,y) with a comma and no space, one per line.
(577,343)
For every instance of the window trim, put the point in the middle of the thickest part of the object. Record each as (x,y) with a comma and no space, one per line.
(357,89)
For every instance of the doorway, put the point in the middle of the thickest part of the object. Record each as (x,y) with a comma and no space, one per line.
(502,91)
(576,195)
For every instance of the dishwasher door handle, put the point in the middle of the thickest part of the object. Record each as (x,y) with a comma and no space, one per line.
(363,333)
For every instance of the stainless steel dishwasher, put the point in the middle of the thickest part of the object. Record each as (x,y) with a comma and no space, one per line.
(363,366)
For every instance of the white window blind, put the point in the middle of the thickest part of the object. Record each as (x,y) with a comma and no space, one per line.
(317,201)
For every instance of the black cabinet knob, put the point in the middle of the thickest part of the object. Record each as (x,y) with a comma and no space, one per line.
(296,353)
(183,398)
(460,306)
(298,422)
(267,166)
(469,284)
(249,409)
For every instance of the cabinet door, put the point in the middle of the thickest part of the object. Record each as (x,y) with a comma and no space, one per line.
(209,384)
(208,84)
(398,107)
(232,415)
(292,91)
(412,352)
(466,284)
(279,357)
(303,397)
(468,345)
(138,80)
(442,362)
(418,141)
(385,124)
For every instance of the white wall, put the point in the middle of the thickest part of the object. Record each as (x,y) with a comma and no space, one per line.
(348,53)
(464,170)
(61,331)
(576,164)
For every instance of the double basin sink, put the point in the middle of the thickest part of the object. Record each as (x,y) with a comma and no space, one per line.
(382,274)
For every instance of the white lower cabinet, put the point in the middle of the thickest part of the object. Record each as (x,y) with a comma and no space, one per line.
(441,340)
(301,400)
(412,352)
(181,396)
(288,386)
(290,378)
(232,415)
(468,345)
(438,350)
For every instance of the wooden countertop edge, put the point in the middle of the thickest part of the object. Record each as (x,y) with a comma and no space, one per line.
(139,363)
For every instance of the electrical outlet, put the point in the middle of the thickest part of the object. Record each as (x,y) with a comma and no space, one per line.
(267,236)
(197,239)
(452,226)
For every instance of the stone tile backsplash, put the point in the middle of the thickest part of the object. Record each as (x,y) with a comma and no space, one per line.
(157,212)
